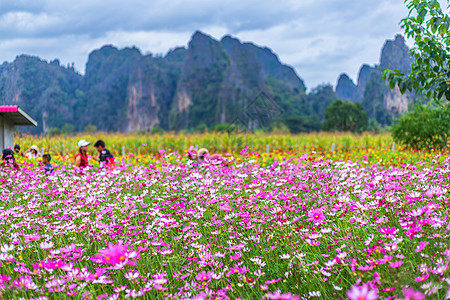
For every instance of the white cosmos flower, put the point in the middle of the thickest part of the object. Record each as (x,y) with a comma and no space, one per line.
(6,248)
(46,245)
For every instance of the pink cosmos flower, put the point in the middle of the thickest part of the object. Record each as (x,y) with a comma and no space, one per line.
(24,282)
(396,264)
(277,295)
(115,254)
(362,293)
(421,245)
(388,230)
(203,276)
(365,268)
(410,294)
(422,278)
(316,216)
(235,270)
(271,281)
(236,256)
(57,264)
(388,289)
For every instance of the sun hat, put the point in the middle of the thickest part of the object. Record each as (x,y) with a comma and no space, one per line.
(82,143)
(34,147)
(202,151)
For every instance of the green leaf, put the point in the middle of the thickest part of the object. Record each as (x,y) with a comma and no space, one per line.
(437,21)
(443,29)
(447,94)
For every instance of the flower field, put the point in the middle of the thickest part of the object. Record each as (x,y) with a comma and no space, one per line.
(364,224)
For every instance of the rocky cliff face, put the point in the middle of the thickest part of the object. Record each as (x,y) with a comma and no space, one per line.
(47,91)
(346,89)
(205,84)
(379,101)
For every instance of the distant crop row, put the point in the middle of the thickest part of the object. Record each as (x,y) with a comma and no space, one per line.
(215,143)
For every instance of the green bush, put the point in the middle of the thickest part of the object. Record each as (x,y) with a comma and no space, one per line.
(297,124)
(424,127)
(345,116)
(157,130)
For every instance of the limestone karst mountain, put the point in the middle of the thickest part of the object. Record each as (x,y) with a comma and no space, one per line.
(378,99)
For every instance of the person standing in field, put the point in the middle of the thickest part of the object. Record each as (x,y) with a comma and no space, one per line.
(48,168)
(203,155)
(9,160)
(33,152)
(81,158)
(105,159)
(17,150)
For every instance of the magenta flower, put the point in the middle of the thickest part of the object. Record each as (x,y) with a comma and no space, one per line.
(57,264)
(422,278)
(396,264)
(316,216)
(388,230)
(421,245)
(362,293)
(365,268)
(271,281)
(203,276)
(24,282)
(278,295)
(115,254)
(411,294)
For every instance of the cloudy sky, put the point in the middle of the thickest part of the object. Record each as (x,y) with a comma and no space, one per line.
(319,38)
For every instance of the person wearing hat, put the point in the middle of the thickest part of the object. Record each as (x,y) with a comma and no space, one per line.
(33,152)
(81,158)
(203,155)
(8,159)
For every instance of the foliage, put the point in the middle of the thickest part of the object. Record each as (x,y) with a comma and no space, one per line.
(373,126)
(297,124)
(68,129)
(427,24)
(157,130)
(345,116)
(90,128)
(319,98)
(223,128)
(426,126)
(52,131)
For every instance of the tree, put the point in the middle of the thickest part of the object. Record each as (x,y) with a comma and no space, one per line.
(427,24)
(68,128)
(426,126)
(345,116)
(297,124)
(90,128)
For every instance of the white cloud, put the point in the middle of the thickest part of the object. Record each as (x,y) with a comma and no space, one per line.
(28,23)
(319,38)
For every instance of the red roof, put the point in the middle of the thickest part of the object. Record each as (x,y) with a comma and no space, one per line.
(8,108)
